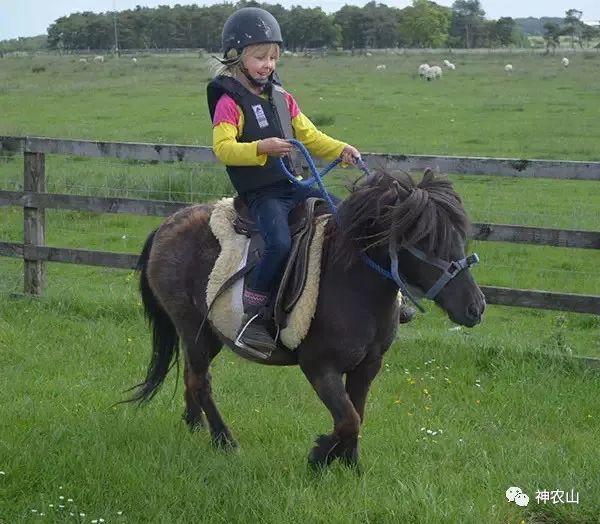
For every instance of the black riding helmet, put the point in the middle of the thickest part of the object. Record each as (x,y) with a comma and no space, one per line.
(247,26)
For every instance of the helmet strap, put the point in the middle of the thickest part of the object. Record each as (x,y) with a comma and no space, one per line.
(253,81)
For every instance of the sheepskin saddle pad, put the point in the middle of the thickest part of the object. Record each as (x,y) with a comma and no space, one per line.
(296,299)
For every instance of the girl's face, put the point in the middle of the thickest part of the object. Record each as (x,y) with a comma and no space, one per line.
(260,60)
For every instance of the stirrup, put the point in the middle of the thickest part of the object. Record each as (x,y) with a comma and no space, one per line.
(245,347)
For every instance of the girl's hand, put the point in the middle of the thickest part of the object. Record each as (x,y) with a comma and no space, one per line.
(273,147)
(350,155)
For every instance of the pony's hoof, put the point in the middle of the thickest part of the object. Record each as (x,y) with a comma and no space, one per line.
(323,453)
(194,422)
(225,442)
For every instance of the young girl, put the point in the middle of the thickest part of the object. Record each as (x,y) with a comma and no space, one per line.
(252,115)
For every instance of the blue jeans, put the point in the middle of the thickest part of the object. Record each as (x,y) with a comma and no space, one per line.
(270,207)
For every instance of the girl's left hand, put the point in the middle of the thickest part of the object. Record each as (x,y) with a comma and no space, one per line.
(350,155)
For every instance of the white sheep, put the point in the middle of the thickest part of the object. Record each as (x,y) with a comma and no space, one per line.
(99,59)
(83,60)
(565,61)
(450,65)
(433,72)
(508,68)
(423,68)
(380,67)
(134,60)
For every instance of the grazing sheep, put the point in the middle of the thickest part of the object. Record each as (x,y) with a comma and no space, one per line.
(565,61)
(380,67)
(508,68)
(134,60)
(423,68)
(99,59)
(83,60)
(369,54)
(450,65)
(433,72)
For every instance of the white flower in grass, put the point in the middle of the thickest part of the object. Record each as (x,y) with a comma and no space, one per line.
(95,521)
(50,505)
(61,506)
(100,520)
(61,497)
(82,514)
(71,514)
(69,500)
(2,473)
(34,511)
(119,513)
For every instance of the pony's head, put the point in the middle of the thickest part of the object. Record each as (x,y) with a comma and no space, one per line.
(424,224)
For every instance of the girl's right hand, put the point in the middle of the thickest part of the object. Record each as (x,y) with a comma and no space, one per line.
(273,147)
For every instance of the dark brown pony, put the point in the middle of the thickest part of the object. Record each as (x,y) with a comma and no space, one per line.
(357,310)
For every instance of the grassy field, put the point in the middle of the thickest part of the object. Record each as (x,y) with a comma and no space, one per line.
(512,406)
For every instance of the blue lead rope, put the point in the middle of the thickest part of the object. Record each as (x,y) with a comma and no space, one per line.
(317,177)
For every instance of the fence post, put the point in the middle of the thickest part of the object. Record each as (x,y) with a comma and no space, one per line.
(34,220)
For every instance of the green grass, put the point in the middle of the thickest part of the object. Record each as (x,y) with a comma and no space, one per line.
(513,407)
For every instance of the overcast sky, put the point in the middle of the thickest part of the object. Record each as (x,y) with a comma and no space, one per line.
(32,17)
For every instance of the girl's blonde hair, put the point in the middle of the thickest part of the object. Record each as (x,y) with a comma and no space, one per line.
(235,60)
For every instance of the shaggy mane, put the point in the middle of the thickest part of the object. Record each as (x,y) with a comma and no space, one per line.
(383,206)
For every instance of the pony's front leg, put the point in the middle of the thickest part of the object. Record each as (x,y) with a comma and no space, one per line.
(343,442)
(358,382)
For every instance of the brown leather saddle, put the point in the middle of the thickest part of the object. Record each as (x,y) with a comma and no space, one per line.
(302,227)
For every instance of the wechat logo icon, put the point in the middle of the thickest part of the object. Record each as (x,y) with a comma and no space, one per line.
(516,495)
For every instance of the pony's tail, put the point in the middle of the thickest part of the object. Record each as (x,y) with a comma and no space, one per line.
(165,341)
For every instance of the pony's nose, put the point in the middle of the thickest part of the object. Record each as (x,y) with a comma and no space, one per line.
(474,312)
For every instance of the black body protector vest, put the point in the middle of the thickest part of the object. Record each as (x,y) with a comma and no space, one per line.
(263,118)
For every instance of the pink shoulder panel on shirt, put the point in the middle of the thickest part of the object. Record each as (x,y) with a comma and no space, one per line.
(226,111)
(292,105)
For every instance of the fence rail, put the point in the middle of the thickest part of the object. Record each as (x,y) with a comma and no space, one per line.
(34,200)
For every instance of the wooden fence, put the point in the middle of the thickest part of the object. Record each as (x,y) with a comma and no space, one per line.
(34,200)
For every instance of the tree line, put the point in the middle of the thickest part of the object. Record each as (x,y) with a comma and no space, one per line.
(423,24)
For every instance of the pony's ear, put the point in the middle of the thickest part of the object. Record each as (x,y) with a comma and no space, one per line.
(428,176)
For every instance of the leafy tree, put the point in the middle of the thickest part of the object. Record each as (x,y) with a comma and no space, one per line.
(424,24)
(467,20)
(353,26)
(573,25)
(503,31)
(589,33)
(551,36)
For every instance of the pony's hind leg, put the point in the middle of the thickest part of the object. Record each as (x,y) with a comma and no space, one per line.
(343,442)
(200,349)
